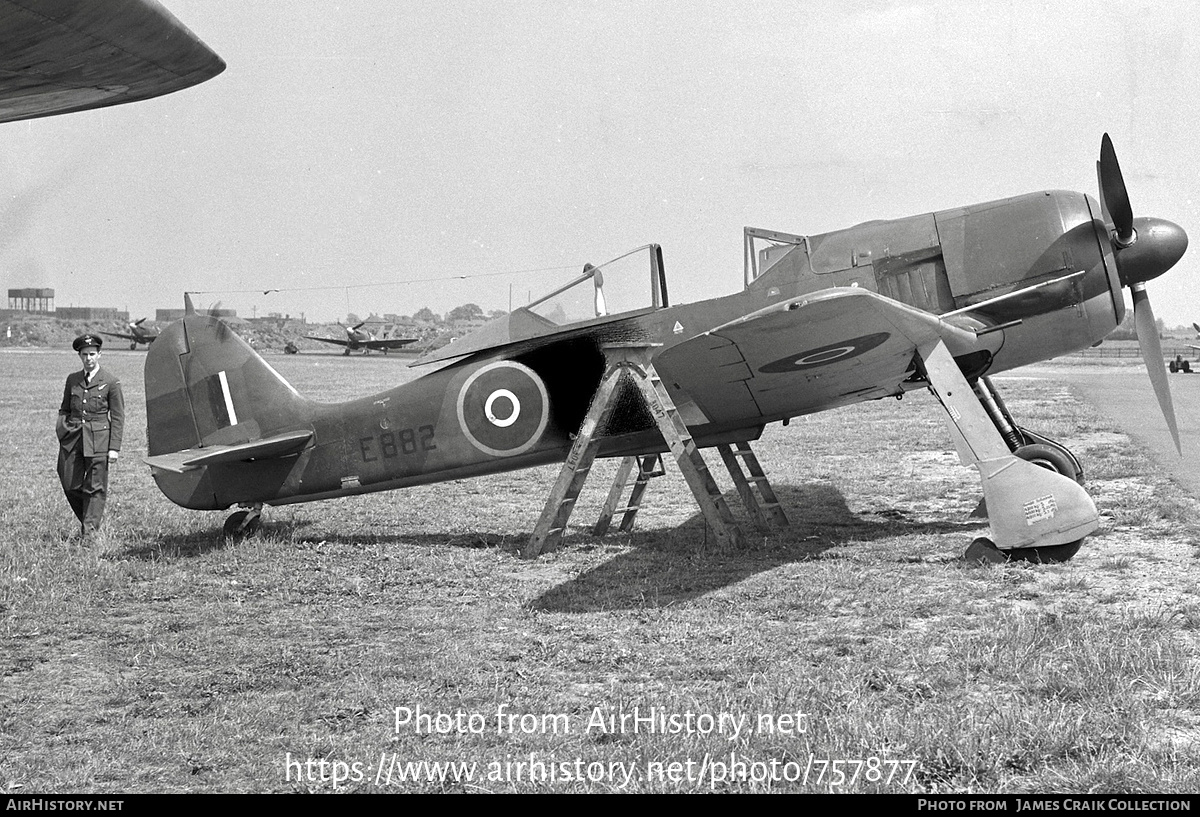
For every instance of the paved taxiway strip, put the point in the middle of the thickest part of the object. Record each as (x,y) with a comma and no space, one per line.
(1126,396)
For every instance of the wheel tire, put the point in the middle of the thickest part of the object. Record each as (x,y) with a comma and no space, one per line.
(1051,554)
(1048,457)
(238,527)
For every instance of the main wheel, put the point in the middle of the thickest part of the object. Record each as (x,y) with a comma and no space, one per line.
(982,551)
(1048,457)
(1051,554)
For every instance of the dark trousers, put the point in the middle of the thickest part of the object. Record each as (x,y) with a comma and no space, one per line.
(85,483)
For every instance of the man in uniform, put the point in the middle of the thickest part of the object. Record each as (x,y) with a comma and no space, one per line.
(91,421)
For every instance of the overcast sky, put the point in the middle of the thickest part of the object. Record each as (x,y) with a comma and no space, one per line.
(353,147)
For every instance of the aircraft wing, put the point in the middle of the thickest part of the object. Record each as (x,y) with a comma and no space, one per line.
(825,349)
(387,343)
(334,341)
(61,56)
(118,335)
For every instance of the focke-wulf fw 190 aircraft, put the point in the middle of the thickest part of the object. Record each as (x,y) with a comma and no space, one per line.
(358,338)
(937,301)
(136,334)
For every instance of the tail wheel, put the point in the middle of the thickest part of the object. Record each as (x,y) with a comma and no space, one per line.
(241,524)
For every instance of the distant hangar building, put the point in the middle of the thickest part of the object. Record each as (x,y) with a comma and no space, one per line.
(38,301)
(91,313)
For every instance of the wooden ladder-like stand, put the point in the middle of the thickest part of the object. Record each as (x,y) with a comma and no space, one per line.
(633,361)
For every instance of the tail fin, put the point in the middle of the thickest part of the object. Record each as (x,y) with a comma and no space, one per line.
(205,386)
(223,427)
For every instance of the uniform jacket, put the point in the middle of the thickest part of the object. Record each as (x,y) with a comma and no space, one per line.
(93,415)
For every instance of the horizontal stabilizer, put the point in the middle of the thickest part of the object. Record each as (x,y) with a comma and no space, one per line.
(278,446)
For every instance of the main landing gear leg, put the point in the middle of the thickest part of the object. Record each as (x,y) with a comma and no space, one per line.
(1024,443)
(245,523)
(1027,445)
(1035,513)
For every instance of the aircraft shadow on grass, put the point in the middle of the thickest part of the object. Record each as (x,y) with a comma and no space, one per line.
(655,575)
(192,545)
(668,565)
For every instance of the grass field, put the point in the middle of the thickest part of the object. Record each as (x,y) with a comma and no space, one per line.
(358,642)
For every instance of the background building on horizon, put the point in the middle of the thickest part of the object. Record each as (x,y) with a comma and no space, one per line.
(91,313)
(35,299)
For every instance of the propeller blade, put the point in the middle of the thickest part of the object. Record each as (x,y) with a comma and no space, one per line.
(1115,196)
(1103,201)
(1147,332)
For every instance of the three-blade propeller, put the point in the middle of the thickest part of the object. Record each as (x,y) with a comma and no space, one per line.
(1144,248)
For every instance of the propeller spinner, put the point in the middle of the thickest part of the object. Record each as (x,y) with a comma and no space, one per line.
(1144,248)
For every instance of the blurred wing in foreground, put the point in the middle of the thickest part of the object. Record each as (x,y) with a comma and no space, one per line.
(61,56)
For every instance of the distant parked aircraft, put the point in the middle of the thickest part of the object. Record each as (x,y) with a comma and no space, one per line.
(137,334)
(358,338)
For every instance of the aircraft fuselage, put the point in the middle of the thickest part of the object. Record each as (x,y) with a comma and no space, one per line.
(1027,278)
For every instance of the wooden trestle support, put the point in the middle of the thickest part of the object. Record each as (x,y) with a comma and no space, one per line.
(633,362)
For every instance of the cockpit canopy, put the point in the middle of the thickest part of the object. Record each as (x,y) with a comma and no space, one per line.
(613,288)
(612,291)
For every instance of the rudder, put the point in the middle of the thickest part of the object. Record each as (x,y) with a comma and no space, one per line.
(206,386)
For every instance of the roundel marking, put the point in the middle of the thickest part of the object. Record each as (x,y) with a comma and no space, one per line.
(822,355)
(514,408)
(503,408)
